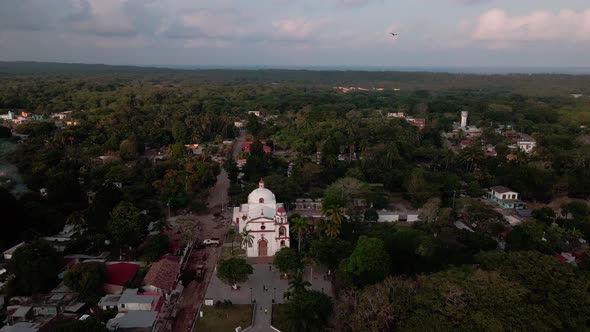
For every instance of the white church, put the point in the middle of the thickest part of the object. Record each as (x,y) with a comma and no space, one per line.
(266,220)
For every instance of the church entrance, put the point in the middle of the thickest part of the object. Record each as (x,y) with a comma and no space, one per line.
(262,248)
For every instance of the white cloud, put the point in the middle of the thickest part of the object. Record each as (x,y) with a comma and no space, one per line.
(498,26)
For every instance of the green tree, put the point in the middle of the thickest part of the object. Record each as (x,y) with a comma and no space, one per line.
(35,267)
(253,126)
(371,215)
(234,270)
(369,262)
(179,132)
(5,132)
(300,226)
(155,246)
(298,285)
(333,221)
(554,287)
(288,260)
(308,311)
(330,251)
(87,279)
(231,167)
(128,149)
(126,225)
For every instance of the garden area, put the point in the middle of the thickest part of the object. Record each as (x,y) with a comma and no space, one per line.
(224,317)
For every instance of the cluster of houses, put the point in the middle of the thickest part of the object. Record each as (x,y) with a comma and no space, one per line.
(358,88)
(20,117)
(312,208)
(417,122)
(61,119)
(147,308)
(470,135)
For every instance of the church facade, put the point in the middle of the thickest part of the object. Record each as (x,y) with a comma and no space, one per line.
(264,219)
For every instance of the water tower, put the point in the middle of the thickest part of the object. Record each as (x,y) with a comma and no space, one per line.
(464,116)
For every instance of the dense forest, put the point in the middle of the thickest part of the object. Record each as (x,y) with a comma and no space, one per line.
(427,276)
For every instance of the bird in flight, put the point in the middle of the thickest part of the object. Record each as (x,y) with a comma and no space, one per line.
(393,34)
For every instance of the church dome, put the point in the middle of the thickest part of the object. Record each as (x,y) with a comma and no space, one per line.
(261,195)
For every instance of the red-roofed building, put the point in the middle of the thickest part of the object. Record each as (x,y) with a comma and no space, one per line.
(465,143)
(118,274)
(162,275)
(491,154)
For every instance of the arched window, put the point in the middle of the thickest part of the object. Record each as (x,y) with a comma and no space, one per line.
(261,200)
(282,243)
(282,231)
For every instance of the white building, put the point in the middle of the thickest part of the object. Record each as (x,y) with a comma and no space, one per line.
(396,216)
(526,143)
(265,220)
(130,300)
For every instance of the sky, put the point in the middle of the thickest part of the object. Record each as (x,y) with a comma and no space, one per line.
(432,33)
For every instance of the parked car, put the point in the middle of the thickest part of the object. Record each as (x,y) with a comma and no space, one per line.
(200,274)
(211,242)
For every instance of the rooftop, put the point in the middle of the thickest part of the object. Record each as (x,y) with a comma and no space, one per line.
(501,189)
(162,274)
(120,273)
(133,319)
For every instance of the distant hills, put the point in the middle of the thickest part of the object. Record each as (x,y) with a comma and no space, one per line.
(532,84)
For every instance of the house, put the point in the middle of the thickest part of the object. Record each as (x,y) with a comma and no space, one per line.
(239,124)
(397,216)
(9,252)
(308,204)
(136,321)
(526,143)
(62,115)
(119,274)
(131,300)
(257,113)
(506,198)
(60,240)
(162,276)
(195,149)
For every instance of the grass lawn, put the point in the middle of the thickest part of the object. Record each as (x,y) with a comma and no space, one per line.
(278,319)
(222,319)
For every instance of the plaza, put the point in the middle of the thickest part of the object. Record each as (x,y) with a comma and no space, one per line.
(263,287)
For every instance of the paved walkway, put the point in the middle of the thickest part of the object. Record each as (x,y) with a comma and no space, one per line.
(264,285)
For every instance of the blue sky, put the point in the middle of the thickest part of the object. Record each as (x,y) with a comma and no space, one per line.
(490,33)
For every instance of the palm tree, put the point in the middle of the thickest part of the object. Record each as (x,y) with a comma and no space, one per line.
(299,225)
(335,215)
(331,229)
(297,285)
(247,238)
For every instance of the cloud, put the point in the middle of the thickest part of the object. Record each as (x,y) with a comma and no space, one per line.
(497,25)
(297,28)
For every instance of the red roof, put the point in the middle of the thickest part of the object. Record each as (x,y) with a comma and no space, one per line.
(120,273)
(163,274)
(281,210)
(466,142)
(491,154)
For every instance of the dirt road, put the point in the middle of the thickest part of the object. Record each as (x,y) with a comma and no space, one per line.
(208,226)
